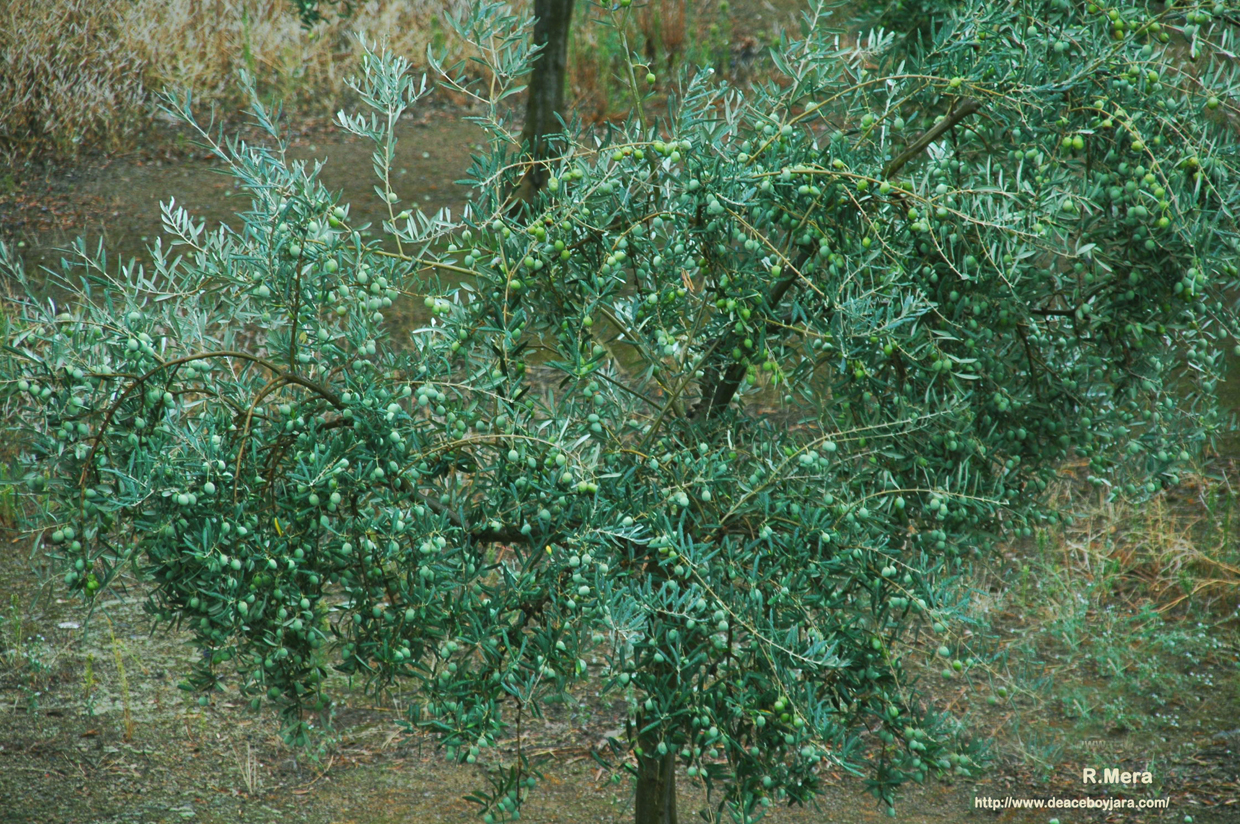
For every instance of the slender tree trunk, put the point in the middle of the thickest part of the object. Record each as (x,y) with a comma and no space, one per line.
(656,789)
(546,86)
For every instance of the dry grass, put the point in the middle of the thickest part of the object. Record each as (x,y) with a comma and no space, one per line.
(79,73)
(68,81)
(202,44)
(1176,549)
(589,71)
(662,24)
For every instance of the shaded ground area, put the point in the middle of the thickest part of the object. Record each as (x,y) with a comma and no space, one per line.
(94,729)
(118,200)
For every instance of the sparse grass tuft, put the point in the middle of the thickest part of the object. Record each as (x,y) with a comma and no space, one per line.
(119,659)
(26,656)
(1108,623)
(248,766)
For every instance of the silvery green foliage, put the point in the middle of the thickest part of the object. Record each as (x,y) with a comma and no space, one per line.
(725,405)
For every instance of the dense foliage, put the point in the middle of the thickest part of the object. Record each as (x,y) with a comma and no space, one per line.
(724,406)
(310,11)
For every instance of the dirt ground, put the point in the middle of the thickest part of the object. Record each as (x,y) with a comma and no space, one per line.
(93,729)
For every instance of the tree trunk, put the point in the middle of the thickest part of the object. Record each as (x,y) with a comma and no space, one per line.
(656,789)
(546,86)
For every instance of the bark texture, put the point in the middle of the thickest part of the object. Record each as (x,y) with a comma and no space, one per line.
(552,19)
(656,790)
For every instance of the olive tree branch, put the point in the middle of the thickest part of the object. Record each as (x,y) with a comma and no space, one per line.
(716,398)
(954,116)
(288,377)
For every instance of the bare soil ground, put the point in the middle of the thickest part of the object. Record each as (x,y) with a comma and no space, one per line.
(93,729)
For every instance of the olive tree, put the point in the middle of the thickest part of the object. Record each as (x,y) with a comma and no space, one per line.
(723,408)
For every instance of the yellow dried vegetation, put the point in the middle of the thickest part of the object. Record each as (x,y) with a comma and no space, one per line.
(81,74)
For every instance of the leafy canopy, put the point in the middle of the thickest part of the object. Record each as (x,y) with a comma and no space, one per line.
(724,407)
